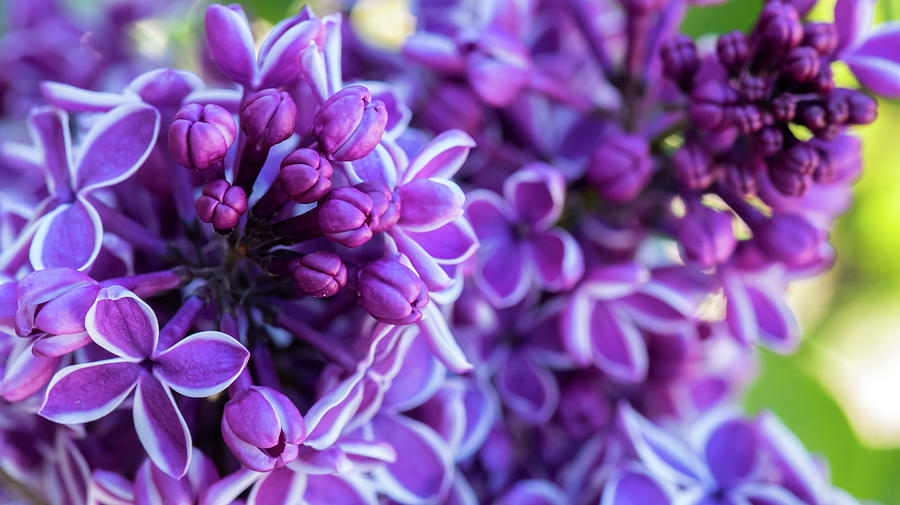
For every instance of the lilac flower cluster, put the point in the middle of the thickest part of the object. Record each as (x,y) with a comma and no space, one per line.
(527,258)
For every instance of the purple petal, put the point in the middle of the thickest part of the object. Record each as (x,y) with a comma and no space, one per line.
(334,489)
(537,193)
(442,157)
(527,389)
(731,451)
(433,328)
(740,315)
(50,132)
(778,328)
(558,260)
(87,392)
(327,417)
(419,377)
(202,364)
(799,473)
(535,492)
(225,491)
(280,62)
(424,468)
(664,455)
(378,165)
(70,237)
(428,204)
(769,494)
(40,287)
(434,277)
(504,274)
(74,99)
(482,409)
(123,324)
(600,331)
(66,313)
(230,41)
(160,427)
(437,52)
(59,345)
(445,413)
(491,216)
(279,486)
(164,88)
(25,373)
(153,487)
(615,281)
(110,488)
(451,244)
(116,146)
(633,487)
(853,18)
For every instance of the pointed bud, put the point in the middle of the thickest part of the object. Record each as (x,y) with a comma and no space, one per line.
(823,37)
(802,64)
(349,124)
(680,60)
(391,292)
(733,50)
(710,102)
(788,238)
(706,236)
(344,216)
(621,167)
(268,118)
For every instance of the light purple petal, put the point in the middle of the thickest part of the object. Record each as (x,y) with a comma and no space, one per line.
(116,146)
(599,331)
(428,204)
(482,408)
(876,63)
(160,427)
(799,472)
(225,491)
(535,492)
(334,489)
(279,486)
(664,455)
(74,99)
(445,413)
(110,488)
(853,18)
(768,494)
(49,130)
(231,45)
(280,62)
(87,392)
(442,157)
(433,328)
(123,324)
(153,487)
(378,165)
(25,373)
(418,378)
(70,237)
(451,244)
(424,468)
(327,417)
(164,88)
(527,389)
(59,345)
(66,313)
(740,315)
(778,327)
(437,52)
(537,192)
(731,450)
(435,277)
(39,287)
(633,487)
(202,364)
(504,274)
(558,260)
(491,216)
(614,281)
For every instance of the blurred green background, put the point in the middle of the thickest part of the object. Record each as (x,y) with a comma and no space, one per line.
(841,392)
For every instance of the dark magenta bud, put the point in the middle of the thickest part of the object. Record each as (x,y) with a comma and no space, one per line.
(221,204)
(693,166)
(802,64)
(823,37)
(768,140)
(747,118)
(349,124)
(800,158)
(710,102)
(320,274)
(788,238)
(753,88)
(268,118)
(344,216)
(837,110)
(385,208)
(824,81)
(790,183)
(813,116)
(784,107)
(391,292)
(680,60)
(642,6)
(863,108)
(733,50)
(621,167)
(706,236)
(200,136)
(305,176)
(742,177)
(779,29)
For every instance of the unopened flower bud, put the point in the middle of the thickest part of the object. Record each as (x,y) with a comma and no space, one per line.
(788,238)
(784,107)
(620,168)
(221,204)
(747,118)
(268,118)
(863,108)
(733,50)
(813,116)
(386,205)
(200,136)
(305,176)
(344,216)
(802,64)
(779,29)
(823,37)
(753,88)
(391,292)
(769,140)
(823,84)
(837,110)
(790,183)
(799,158)
(706,236)
(693,166)
(710,102)
(741,177)
(680,60)
(349,124)
(263,428)
(320,274)
(497,66)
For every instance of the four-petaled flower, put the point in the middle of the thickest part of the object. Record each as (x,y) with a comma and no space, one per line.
(200,365)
